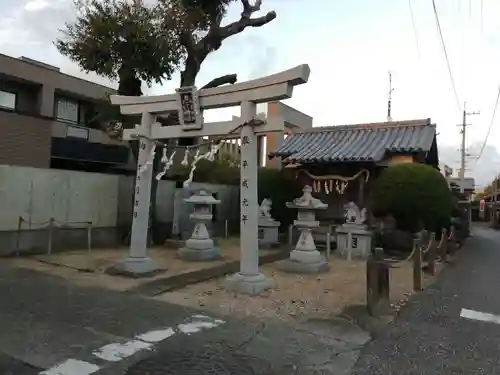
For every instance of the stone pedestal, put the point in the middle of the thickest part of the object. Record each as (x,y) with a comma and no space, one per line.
(305,258)
(268,227)
(268,233)
(200,246)
(354,241)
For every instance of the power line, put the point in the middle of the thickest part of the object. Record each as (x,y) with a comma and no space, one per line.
(415,32)
(497,101)
(443,45)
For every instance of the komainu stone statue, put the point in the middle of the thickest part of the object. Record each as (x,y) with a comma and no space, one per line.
(265,209)
(353,215)
(268,227)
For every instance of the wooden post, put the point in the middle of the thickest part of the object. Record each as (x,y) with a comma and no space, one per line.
(452,242)
(377,285)
(431,258)
(290,236)
(443,249)
(417,266)
(51,234)
(328,242)
(18,236)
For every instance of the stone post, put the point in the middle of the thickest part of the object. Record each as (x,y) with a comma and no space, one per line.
(249,280)
(377,284)
(138,263)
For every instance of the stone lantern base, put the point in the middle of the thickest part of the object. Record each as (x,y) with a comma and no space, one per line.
(304,262)
(200,247)
(199,255)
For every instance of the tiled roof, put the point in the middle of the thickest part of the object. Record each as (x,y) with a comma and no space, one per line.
(364,142)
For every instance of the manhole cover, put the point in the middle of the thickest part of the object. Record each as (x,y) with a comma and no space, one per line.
(202,361)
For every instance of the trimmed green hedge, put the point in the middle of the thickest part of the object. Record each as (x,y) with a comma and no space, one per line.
(416,195)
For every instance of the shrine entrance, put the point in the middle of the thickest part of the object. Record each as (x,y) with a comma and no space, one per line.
(190,104)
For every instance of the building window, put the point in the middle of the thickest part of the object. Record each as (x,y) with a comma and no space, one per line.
(7,100)
(67,110)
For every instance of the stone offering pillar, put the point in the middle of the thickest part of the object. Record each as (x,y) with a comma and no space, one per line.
(200,246)
(306,258)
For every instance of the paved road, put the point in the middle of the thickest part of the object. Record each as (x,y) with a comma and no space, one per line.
(52,328)
(48,325)
(430,336)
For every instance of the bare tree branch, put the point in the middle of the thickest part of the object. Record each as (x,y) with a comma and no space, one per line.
(216,35)
(219,81)
(248,9)
(198,51)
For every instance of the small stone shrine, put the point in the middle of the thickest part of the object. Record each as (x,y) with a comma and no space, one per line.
(268,227)
(305,257)
(200,246)
(353,238)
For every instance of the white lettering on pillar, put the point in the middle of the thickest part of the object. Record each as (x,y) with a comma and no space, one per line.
(249,261)
(144,174)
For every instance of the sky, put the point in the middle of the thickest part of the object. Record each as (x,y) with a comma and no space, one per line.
(350,47)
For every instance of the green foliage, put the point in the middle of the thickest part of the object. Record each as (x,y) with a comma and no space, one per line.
(120,39)
(224,170)
(415,195)
(278,185)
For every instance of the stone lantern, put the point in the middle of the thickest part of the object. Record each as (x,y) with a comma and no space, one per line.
(200,246)
(305,257)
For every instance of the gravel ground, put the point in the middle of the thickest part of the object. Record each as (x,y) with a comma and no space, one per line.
(296,296)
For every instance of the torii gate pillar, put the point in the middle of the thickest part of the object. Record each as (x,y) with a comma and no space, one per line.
(246,95)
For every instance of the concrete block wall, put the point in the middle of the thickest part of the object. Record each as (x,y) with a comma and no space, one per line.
(70,198)
(170,206)
(74,198)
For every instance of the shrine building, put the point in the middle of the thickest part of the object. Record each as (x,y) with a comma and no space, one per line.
(340,162)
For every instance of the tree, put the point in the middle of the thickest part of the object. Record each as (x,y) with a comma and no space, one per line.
(199,28)
(415,195)
(132,42)
(123,41)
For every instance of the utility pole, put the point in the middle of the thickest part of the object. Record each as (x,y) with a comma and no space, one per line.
(463,150)
(389,99)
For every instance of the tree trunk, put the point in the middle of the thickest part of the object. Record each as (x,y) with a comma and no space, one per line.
(191,69)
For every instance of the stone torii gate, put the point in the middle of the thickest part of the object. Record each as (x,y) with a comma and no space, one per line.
(190,103)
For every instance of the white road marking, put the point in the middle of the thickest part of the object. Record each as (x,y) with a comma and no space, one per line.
(72,367)
(157,335)
(477,315)
(117,351)
(196,326)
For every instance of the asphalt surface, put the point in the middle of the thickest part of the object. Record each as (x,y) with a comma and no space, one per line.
(46,323)
(50,327)
(429,336)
